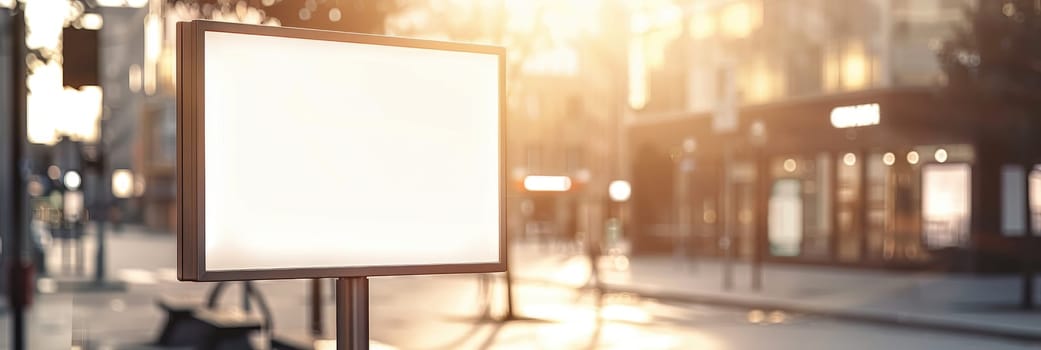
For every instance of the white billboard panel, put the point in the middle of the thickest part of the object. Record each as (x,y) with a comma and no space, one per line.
(320,154)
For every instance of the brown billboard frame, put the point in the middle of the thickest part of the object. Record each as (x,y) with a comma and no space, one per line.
(191,184)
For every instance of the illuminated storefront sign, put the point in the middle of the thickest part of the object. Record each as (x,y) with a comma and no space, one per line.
(541,183)
(854,116)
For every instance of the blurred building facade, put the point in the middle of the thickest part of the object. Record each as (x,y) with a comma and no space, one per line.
(564,119)
(565,82)
(812,131)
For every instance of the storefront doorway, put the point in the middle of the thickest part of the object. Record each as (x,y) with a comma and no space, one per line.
(946,203)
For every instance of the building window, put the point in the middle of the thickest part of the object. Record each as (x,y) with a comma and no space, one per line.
(1013,200)
(848,217)
(784,228)
(880,240)
(946,190)
(799,209)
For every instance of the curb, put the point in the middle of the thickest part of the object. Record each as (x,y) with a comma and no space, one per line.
(900,320)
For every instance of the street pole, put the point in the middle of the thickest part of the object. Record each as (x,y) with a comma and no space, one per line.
(759,243)
(19,289)
(352,313)
(727,240)
(1027,301)
(757,136)
(1028,259)
(725,121)
(103,195)
(316,307)
(509,296)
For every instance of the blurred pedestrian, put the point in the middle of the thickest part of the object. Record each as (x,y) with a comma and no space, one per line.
(593,252)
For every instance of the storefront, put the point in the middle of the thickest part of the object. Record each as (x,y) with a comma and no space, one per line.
(894,178)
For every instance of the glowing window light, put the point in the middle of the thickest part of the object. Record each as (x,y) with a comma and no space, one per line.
(134,75)
(855,67)
(638,84)
(53,110)
(739,19)
(702,26)
(940,155)
(44,20)
(912,157)
(542,183)
(122,3)
(889,158)
(153,48)
(619,190)
(72,180)
(53,172)
(92,21)
(849,159)
(122,183)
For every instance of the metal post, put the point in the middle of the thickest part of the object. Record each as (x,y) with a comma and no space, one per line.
(316,307)
(352,313)
(101,207)
(509,297)
(727,241)
(1027,259)
(247,291)
(18,290)
(509,279)
(99,253)
(1027,296)
(77,231)
(759,241)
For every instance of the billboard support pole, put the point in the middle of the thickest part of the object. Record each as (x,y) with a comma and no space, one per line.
(352,313)
(19,289)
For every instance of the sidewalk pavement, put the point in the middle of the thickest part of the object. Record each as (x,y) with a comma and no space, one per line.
(983,305)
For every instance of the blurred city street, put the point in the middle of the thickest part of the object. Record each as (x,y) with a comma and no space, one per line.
(445,312)
(520,174)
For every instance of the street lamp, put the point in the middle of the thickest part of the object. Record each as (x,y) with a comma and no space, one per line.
(122,183)
(72,180)
(619,190)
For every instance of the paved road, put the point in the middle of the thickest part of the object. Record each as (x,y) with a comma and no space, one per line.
(443,312)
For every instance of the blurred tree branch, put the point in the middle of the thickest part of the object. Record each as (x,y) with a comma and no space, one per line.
(996,56)
(995,60)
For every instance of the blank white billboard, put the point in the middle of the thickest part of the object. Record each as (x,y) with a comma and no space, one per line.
(334,155)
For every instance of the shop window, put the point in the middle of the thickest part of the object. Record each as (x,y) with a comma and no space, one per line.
(784,226)
(906,210)
(847,209)
(819,196)
(881,241)
(811,175)
(1013,200)
(945,205)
